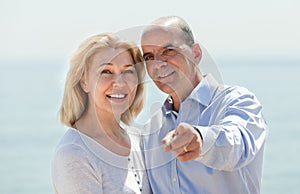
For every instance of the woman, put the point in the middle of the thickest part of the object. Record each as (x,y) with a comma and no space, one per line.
(104,92)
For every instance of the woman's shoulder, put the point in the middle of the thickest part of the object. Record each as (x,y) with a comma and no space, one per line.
(71,137)
(70,146)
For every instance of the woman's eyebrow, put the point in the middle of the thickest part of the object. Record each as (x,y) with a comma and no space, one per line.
(104,64)
(111,64)
(129,65)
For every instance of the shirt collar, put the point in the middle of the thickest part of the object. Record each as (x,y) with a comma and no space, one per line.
(168,105)
(205,90)
(202,93)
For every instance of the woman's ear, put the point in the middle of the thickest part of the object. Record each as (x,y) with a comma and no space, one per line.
(197,53)
(84,84)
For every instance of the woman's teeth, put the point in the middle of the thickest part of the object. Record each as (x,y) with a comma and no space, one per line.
(119,96)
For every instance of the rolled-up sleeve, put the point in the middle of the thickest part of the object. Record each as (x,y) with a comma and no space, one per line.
(236,131)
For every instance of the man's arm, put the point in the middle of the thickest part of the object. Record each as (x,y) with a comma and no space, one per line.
(232,141)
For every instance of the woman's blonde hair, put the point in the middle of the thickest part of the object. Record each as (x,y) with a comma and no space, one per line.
(75,100)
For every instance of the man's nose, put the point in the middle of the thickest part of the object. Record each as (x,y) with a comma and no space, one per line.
(157,64)
(159,57)
(159,61)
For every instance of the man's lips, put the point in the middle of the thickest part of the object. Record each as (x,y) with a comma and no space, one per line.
(164,76)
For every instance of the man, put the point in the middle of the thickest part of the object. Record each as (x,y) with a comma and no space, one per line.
(207,137)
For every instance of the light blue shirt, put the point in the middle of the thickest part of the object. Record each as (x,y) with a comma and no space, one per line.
(233,130)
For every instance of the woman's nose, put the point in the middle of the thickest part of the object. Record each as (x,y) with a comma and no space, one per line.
(118,80)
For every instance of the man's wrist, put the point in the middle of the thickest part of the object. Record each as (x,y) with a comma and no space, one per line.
(198,132)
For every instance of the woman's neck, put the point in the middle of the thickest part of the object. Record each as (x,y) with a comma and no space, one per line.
(99,123)
(105,129)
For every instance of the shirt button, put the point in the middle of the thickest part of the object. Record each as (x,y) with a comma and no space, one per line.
(174,179)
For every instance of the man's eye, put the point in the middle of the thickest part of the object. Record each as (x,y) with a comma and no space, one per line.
(148,57)
(169,52)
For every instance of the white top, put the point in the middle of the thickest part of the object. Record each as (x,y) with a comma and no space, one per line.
(82,165)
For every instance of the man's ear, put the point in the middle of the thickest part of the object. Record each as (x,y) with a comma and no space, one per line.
(83,84)
(197,53)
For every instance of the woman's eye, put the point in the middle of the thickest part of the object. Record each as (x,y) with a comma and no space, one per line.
(105,71)
(129,71)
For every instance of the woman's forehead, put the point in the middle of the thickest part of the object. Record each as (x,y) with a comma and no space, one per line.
(110,54)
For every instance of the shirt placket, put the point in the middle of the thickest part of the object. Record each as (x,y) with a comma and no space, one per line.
(175,178)
(174,173)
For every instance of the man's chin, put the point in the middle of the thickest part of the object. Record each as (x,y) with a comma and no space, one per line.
(166,88)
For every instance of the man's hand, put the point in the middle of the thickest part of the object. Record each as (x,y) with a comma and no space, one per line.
(184,141)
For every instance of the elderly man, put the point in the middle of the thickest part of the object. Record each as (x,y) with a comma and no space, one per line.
(207,137)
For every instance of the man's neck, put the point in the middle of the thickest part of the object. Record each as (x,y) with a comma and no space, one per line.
(179,96)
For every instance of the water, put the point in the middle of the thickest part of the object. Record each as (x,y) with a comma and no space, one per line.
(276,84)
(29,128)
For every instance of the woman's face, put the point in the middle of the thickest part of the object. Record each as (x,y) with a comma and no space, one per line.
(111,81)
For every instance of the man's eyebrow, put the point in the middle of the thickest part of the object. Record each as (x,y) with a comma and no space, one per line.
(166,46)
(145,54)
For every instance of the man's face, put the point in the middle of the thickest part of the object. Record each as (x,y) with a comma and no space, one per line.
(169,60)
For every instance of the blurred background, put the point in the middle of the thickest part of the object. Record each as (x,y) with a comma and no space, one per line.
(255,44)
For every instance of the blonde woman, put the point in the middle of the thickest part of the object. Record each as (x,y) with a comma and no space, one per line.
(104,92)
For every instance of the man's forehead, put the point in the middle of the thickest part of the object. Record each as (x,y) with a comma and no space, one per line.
(161,37)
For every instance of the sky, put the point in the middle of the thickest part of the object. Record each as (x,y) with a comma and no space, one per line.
(34,29)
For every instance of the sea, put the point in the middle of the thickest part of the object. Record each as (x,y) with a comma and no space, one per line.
(31,93)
